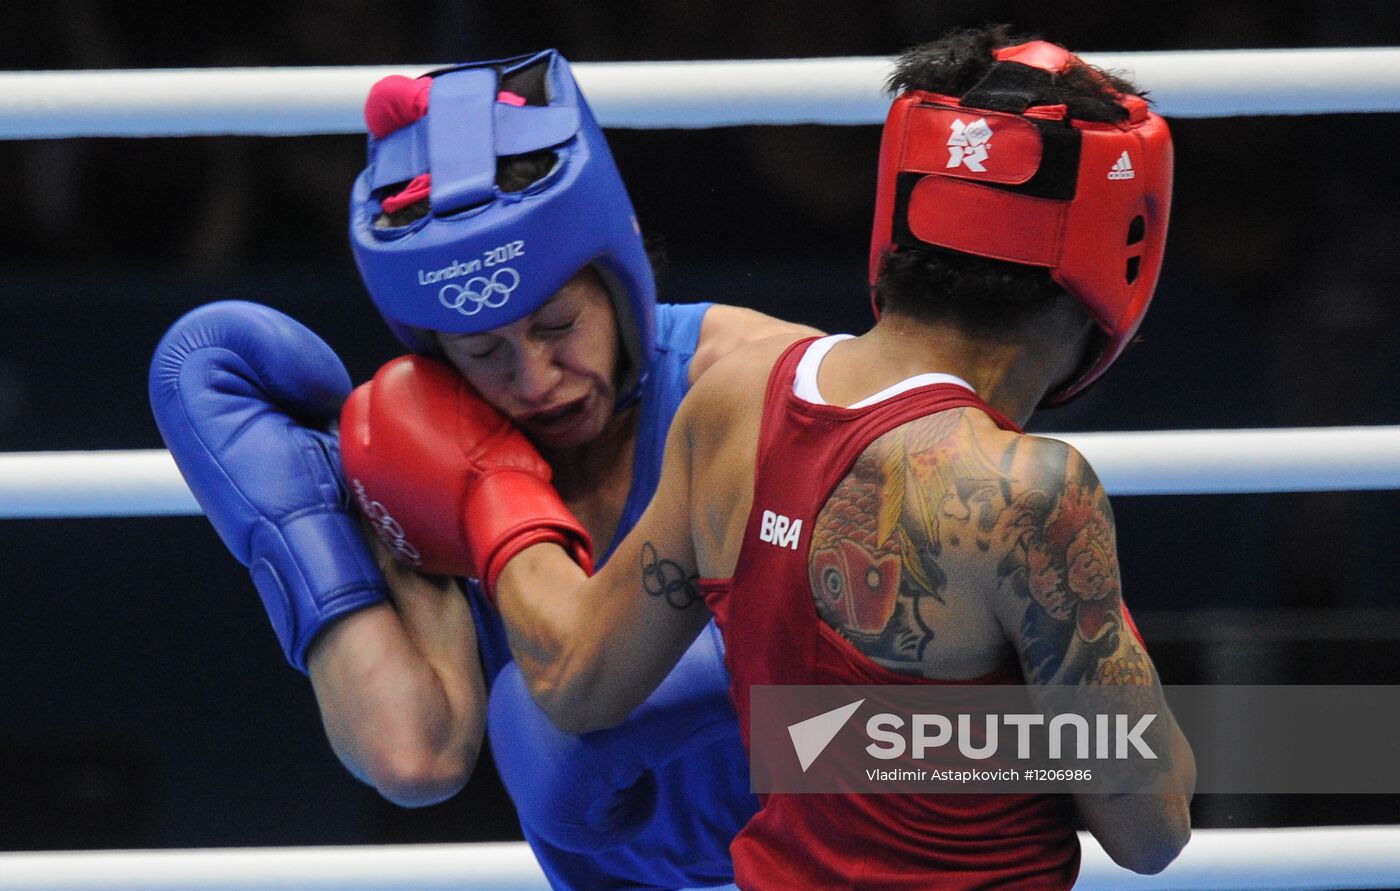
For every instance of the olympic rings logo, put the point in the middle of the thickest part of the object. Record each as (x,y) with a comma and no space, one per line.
(479,292)
(389,530)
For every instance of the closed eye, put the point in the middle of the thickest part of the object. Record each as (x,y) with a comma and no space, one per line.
(559,328)
(482,348)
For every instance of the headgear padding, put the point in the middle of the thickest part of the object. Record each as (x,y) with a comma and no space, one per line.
(481,257)
(1089,201)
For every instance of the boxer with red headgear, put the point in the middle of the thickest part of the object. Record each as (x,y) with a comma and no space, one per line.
(990,175)
(925,538)
(494,234)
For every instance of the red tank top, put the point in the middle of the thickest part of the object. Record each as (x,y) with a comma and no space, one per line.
(773,635)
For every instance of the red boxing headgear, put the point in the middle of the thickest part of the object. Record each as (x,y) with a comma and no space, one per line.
(1089,201)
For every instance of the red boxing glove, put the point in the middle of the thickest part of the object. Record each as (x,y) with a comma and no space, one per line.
(448,482)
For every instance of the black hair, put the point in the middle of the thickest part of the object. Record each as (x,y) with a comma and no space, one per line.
(980,295)
(954,64)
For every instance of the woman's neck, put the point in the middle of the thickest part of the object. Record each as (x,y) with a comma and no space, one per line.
(595,479)
(578,469)
(1011,372)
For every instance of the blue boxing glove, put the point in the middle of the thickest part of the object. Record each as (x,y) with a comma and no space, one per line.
(243,396)
(598,791)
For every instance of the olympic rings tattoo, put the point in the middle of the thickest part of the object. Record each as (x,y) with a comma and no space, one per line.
(666,578)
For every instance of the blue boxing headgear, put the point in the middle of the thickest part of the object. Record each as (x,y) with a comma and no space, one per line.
(482,258)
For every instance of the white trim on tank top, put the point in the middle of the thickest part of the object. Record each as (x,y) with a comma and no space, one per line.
(804,382)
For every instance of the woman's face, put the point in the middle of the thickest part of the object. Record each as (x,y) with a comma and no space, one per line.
(554,372)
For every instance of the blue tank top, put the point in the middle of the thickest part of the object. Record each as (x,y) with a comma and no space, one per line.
(703,802)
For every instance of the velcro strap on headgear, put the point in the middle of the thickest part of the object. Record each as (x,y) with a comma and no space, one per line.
(462,158)
(401,154)
(531,128)
(950,141)
(964,216)
(1009,86)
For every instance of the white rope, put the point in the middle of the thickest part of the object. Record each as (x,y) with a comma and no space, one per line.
(35,485)
(1215,462)
(1312,858)
(142,483)
(307,101)
(1324,857)
(498,867)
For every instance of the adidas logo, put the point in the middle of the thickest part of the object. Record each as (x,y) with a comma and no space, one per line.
(1122,168)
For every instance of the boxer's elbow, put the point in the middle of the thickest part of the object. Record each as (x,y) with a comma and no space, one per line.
(586,717)
(415,764)
(576,722)
(1142,833)
(572,696)
(406,769)
(566,706)
(1149,856)
(417,774)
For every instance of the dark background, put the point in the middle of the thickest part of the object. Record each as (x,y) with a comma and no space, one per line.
(143,700)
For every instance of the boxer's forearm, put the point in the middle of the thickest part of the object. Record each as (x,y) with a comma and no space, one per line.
(401,692)
(592,649)
(556,646)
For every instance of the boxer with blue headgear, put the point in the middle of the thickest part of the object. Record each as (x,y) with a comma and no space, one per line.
(479,254)
(492,227)
(496,238)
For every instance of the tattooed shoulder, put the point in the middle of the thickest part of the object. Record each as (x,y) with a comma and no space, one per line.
(1061,568)
(942,519)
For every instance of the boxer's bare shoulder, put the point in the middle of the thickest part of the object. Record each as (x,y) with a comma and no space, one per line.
(746,366)
(728,328)
(719,424)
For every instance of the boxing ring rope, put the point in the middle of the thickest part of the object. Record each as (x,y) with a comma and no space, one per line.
(307,101)
(314,101)
(145,482)
(1322,858)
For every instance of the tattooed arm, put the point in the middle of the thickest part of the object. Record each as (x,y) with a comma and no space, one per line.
(1060,603)
(593,649)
